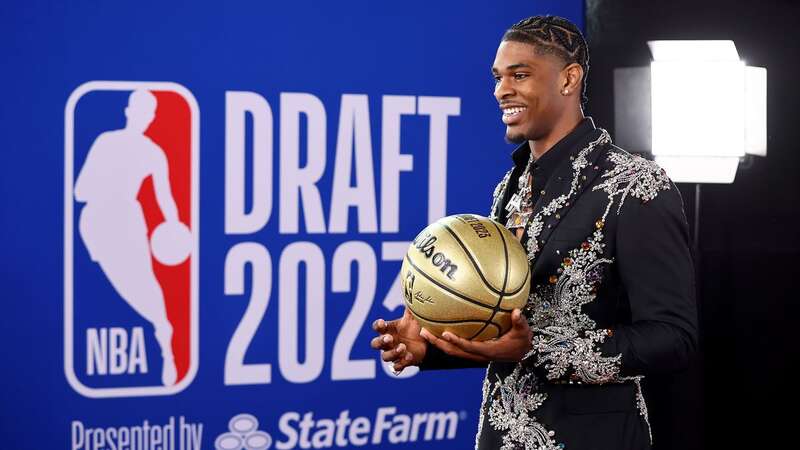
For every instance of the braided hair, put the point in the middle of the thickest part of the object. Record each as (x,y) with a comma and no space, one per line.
(556,36)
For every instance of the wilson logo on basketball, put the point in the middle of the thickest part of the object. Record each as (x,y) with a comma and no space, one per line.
(438,259)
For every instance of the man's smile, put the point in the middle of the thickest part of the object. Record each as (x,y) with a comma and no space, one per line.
(512,113)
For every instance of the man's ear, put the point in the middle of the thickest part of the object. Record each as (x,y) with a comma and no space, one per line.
(571,78)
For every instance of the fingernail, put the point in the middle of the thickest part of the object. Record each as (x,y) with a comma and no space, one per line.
(386,339)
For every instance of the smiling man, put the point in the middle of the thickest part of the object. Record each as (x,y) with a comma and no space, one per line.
(612,292)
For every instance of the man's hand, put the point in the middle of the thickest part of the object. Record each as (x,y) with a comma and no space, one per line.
(399,341)
(512,346)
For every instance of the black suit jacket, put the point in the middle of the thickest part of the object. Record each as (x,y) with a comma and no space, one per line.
(612,300)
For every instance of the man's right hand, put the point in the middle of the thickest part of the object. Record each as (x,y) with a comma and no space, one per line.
(399,341)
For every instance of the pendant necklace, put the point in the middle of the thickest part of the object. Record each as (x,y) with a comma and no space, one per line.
(520,206)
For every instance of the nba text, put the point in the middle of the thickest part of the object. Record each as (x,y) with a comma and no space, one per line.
(114,351)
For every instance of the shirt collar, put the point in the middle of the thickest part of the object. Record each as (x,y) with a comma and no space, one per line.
(548,162)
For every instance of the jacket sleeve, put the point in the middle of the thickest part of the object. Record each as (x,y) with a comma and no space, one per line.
(437,359)
(656,271)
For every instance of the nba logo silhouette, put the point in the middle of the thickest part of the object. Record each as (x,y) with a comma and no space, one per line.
(131,238)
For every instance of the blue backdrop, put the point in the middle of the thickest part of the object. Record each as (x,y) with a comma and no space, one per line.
(296,287)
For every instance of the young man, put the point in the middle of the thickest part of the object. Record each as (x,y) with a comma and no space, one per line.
(612,293)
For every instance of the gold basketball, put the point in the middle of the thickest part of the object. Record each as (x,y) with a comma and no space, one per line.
(465,274)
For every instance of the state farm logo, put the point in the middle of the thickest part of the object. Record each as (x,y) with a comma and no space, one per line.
(305,430)
(243,434)
(131,238)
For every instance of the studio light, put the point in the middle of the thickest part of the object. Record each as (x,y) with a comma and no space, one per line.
(698,108)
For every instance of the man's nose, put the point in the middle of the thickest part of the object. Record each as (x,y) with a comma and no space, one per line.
(503,89)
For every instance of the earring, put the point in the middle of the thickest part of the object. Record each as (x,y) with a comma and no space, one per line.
(565,92)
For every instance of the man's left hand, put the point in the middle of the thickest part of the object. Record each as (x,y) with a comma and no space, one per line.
(512,346)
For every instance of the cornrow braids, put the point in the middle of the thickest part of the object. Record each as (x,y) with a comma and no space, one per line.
(554,35)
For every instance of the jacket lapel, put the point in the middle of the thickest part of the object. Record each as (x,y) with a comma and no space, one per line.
(579,170)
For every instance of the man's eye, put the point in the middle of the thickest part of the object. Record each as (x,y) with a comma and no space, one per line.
(496,79)
(520,76)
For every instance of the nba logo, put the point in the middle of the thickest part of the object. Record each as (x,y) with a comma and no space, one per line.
(131,238)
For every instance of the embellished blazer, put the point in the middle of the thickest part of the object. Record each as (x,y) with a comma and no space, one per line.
(612,300)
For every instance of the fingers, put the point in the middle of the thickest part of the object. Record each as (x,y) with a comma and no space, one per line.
(390,352)
(402,363)
(394,353)
(399,356)
(381,326)
(518,321)
(449,347)
(382,342)
(463,344)
(385,341)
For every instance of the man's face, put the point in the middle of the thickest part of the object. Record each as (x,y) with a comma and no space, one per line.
(528,88)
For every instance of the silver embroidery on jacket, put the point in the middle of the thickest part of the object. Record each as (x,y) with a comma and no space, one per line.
(632,175)
(565,342)
(484,401)
(642,404)
(511,411)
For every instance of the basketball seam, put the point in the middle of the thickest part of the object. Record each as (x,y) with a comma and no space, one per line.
(478,269)
(500,298)
(471,259)
(445,288)
(454,321)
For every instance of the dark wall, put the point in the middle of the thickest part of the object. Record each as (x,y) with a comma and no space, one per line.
(737,393)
